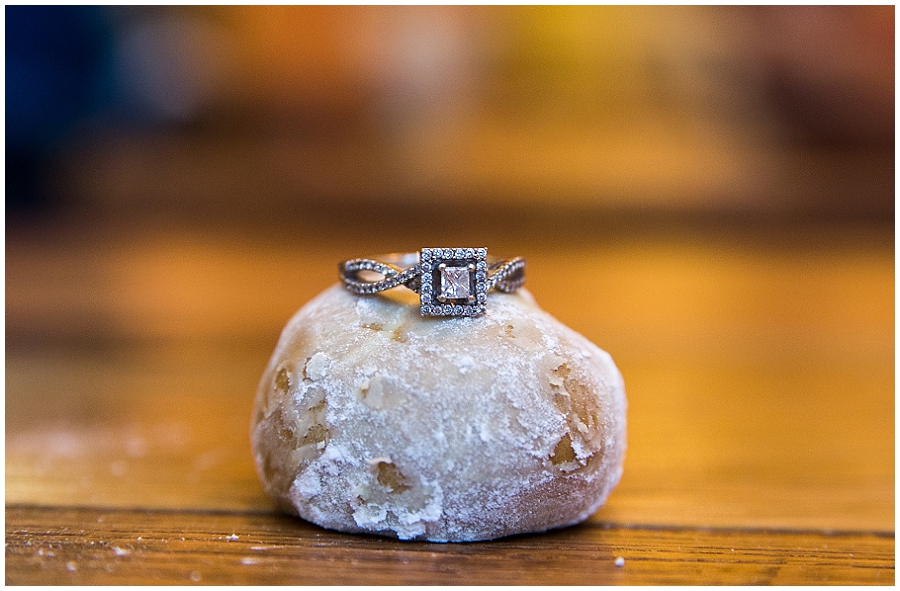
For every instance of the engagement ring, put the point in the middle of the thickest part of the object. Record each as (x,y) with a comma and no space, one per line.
(449,281)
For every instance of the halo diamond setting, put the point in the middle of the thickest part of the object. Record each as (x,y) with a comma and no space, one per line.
(450,281)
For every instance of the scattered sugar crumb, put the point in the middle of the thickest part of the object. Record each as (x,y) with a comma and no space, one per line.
(465,364)
(317,366)
(249,560)
(70,566)
(620,562)
(195,576)
(232,537)
(121,551)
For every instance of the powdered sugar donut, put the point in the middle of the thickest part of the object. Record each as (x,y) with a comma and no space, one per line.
(371,418)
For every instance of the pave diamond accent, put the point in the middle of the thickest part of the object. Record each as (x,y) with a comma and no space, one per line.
(507,276)
(449,286)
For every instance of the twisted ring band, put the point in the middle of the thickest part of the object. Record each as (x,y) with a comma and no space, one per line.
(449,281)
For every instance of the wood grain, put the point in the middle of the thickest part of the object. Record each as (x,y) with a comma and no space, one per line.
(107,547)
(759,370)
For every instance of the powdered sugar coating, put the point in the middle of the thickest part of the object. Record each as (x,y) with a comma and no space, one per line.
(371,418)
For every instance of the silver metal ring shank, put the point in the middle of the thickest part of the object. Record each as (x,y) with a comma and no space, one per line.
(506,275)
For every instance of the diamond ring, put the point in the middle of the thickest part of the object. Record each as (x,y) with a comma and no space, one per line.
(449,281)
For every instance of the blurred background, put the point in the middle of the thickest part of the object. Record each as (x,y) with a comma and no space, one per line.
(304,111)
(205,137)
(705,192)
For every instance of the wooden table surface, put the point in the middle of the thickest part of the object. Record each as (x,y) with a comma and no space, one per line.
(759,367)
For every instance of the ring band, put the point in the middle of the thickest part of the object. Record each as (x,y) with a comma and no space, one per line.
(449,281)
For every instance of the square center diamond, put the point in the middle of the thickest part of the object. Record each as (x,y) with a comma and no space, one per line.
(455,283)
